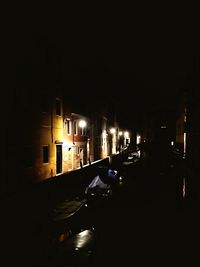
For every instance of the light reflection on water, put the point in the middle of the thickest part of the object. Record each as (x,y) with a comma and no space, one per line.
(184,188)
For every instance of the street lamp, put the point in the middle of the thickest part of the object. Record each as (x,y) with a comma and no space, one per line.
(78,125)
(82,123)
(112,130)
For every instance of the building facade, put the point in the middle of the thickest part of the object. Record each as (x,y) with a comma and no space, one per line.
(76,141)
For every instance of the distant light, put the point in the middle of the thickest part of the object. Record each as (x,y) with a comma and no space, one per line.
(126,134)
(82,123)
(172,143)
(163,126)
(184,143)
(104,134)
(138,139)
(120,133)
(184,187)
(112,130)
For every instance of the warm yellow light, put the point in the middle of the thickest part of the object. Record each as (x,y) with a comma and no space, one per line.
(82,123)
(104,134)
(120,133)
(126,134)
(112,130)
(138,139)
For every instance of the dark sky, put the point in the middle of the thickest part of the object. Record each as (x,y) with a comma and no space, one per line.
(138,61)
(138,68)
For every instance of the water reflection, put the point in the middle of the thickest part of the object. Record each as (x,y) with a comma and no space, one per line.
(184,187)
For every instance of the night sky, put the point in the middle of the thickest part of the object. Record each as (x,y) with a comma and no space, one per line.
(138,62)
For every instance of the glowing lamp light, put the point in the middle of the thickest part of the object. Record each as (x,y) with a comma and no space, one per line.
(126,134)
(112,130)
(138,139)
(104,134)
(82,123)
(120,133)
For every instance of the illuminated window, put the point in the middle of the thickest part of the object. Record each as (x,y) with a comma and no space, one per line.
(45,151)
(58,107)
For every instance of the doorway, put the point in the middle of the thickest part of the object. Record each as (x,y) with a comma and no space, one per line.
(58,159)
